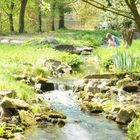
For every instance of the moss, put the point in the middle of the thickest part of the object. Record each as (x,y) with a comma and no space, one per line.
(92,107)
(27,118)
(123,82)
(56,114)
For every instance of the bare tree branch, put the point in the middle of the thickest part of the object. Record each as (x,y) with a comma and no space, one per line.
(119,10)
(102,7)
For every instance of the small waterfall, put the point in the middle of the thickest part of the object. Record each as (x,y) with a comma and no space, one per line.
(61,87)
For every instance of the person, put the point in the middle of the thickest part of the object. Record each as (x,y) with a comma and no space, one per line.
(112,40)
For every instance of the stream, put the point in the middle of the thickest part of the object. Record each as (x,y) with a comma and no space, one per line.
(79,126)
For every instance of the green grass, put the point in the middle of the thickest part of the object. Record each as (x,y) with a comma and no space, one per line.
(134,129)
(22,59)
(12,60)
(83,37)
(105,54)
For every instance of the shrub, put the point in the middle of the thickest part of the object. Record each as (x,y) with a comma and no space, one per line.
(74,61)
(108,62)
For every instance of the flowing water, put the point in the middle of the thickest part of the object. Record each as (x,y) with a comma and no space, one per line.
(80,126)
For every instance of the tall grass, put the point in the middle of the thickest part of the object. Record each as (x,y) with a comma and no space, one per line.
(125,59)
(126,62)
(134,129)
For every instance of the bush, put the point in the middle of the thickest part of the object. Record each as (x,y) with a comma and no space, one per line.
(75,61)
(108,62)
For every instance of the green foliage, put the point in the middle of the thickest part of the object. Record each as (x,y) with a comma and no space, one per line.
(107,62)
(1,131)
(126,62)
(119,53)
(40,71)
(109,105)
(134,129)
(73,60)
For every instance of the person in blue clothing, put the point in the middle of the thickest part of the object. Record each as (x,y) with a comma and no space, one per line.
(112,40)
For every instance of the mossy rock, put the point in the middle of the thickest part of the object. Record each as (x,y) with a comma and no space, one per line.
(61,122)
(10,106)
(56,114)
(92,107)
(8,135)
(14,103)
(124,82)
(27,118)
(44,118)
(125,115)
(17,129)
(88,96)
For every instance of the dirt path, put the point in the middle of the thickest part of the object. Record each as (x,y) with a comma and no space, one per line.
(16,39)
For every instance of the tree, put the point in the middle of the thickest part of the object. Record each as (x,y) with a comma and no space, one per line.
(22,14)
(53,8)
(38,5)
(61,16)
(9,7)
(92,17)
(126,8)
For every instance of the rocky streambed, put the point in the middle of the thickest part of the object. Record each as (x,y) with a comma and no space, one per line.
(79,125)
(115,96)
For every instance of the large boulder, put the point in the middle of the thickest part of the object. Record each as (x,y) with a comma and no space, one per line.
(10,106)
(125,115)
(136,76)
(100,76)
(57,68)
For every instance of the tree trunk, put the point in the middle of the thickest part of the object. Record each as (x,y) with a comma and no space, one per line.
(0,22)
(132,6)
(10,15)
(11,22)
(137,22)
(61,17)
(53,6)
(21,17)
(39,19)
(127,35)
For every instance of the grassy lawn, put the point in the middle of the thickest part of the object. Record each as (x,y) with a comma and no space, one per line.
(12,60)
(81,38)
